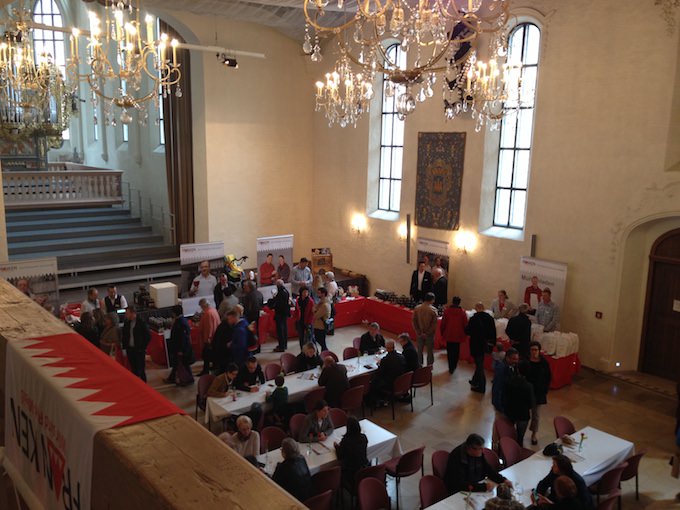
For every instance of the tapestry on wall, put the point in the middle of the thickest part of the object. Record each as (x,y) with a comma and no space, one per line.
(439,179)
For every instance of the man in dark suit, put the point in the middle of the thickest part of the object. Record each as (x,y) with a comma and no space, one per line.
(218,291)
(136,337)
(334,378)
(481,329)
(280,303)
(440,287)
(467,469)
(519,331)
(421,282)
(409,352)
(391,367)
(372,340)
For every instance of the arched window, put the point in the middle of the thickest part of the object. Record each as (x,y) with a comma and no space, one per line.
(391,143)
(50,42)
(516,134)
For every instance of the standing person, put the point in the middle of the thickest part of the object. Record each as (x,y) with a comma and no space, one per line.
(334,378)
(302,275)
(304,316)
(253,302)
(220,288)
(283,269)
(539,375)
(519,400)
(229,300)
(280,303)
(114,301)
(421,282)
(91,302)
(452,329)
(180,351)
(503,371)
(136,337)
(220,347)
(292,474)
(372,341)
(547,312)
(207,326)
(482,332)
(331,285)
(239,337)
(440,287)
(519,331)
(322,312)
(502,307)
(267,271)
(409,352)
(352,451)
(87,328)
(532,295)
(109,341)
(425,324)
(204,284)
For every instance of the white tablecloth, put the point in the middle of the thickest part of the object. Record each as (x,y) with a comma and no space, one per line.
(298,386)
(381,444)
(600,453)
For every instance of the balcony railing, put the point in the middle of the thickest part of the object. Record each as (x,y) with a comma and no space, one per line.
(62,188)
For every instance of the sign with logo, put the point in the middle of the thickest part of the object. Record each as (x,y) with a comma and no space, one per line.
(543,273)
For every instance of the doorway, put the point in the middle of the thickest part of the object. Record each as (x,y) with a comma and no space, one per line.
(660,346)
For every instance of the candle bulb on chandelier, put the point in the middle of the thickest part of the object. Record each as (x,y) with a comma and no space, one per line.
(75,33)
(174,43)
(319,89)
(149,29)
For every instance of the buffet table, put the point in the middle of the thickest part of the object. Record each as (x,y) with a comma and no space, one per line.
(157,345)
(600,453)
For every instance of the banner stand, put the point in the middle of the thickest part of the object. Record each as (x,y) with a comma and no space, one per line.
(20,486)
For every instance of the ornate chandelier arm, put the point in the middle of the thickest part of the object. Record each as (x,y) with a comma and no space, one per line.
(321,28)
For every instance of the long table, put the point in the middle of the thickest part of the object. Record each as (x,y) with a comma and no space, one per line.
(298,384)
(381,444)
(600,453)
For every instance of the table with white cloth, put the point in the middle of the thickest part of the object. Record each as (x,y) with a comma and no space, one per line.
(298,384)
(600,453)
(381,444)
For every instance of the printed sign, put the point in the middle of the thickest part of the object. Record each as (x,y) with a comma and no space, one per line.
(543,273)
(274,259)
(37,278)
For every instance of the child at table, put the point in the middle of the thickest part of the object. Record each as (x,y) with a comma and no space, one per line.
(279,400)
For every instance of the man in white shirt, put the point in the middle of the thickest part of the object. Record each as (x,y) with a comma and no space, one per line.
(204,284)
(114,301)
(92,302)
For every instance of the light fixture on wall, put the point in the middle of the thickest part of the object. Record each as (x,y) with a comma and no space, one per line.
(402,231)
(358,224)
(465,241)
(122,52)
(439,38)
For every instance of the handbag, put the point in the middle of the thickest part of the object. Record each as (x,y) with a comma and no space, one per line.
(330,327)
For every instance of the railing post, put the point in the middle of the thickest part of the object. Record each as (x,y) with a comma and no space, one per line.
(139,203)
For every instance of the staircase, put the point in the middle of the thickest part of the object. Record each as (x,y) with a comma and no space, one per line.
(93,246)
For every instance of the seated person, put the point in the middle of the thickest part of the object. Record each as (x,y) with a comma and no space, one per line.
(224,382)
(352,451)
(308,358)
(334,378)
(279,401)
(250,376)
(245,441)
(372,340)
(565,496)
(318,425)
(409,352)
(293,474)
(562,466)
(503,500)
(391,367)
(467,469)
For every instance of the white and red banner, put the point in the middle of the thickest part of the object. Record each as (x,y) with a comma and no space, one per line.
(60,391)
(548,273)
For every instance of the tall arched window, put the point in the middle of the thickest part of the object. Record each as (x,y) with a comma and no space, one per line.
(50,42)
(391,144)
(516,135)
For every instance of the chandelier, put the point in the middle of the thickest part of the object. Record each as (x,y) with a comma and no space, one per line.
(34,101)
(121,53)
(438,39)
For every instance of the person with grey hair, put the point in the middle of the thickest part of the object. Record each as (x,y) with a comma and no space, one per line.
(440,286)
(331,285)
(203,285)
(245,441)
(109,340)
(503,500)
(409,352)
(292,474)
(372,340)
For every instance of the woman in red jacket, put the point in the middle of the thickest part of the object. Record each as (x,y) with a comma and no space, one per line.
(304,316)
(452,329)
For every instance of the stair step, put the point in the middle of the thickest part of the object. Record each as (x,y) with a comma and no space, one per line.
(74,232)
(89,243)
(82,257)
(88,212)
(18,226)
(127,274)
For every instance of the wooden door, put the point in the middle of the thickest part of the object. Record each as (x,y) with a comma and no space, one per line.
(660,351)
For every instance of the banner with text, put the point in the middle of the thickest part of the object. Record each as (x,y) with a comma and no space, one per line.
(191,255)
(543,273)
(60,391)
(430,249)
(281,250)
(37,278)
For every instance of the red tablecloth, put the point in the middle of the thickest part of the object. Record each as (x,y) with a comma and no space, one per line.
(563,370)
(156,347)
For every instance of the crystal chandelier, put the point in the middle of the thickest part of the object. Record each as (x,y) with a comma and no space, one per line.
(121,52)
(438,38)
(34,101)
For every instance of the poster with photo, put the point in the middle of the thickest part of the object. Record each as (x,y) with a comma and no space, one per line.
(433,253)
(274,259)
(37,278)
(535,275)
(191,256)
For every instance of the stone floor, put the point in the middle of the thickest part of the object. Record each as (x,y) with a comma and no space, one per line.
(630,411)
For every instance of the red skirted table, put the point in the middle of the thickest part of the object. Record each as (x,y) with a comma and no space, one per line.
(156,348)
(563,370)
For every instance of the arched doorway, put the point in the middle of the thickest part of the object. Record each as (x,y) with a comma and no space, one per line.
(660,346)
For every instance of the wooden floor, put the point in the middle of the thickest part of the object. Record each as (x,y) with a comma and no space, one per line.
(640,415)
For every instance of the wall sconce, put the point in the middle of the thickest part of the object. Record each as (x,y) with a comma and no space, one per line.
(401,231)
(465,241)
(358,224)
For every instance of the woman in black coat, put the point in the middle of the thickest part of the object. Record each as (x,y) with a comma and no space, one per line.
(179,349)
(351,451)
(538,374)
(518,401)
